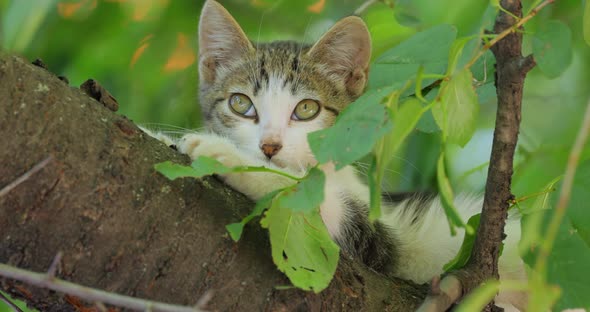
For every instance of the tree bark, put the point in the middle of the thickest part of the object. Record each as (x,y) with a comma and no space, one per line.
(124,228)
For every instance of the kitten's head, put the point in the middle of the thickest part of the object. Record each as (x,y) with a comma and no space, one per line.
(267,97)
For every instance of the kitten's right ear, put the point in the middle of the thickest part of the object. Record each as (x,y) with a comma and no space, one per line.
(221,40)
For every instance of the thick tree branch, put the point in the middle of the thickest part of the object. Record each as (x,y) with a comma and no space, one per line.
(124,228)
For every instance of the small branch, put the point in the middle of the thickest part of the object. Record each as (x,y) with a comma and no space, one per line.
(88,294)
(10,303)
(507,32)
(54,264)
(25,176)
(565,194)
(361,9)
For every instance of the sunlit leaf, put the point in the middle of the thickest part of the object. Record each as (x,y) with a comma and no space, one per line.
(479,297)
(464,253)
(457,112)
(355,132)
(301,247)
(429,49)
(201,167)
(552,48)
(306,195)
(235,229)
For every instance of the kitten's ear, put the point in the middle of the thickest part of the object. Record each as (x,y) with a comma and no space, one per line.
(221,40)
(346,50)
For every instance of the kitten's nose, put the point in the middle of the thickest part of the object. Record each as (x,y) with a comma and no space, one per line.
(270,149)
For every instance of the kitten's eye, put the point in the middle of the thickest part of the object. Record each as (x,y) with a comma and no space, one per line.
(242,105)
(306,110)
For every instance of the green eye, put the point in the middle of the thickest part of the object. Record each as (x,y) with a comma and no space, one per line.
(242,105)
(306,110)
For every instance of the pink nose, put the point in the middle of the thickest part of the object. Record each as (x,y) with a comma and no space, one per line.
(270,149)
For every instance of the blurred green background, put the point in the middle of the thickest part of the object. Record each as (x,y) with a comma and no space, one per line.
(143,52)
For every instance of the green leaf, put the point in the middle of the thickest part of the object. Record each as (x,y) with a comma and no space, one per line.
(455,53)
(464,253)
(306,195)
(301,247)
(479,297)
(405,120)
(429,49)
(552,48)
(569,261)
(532,220)
(447,198)
(355,131)
(456,113)
(201,167)
(586,21)
(235,229)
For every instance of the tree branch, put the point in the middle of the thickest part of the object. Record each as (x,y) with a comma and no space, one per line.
(511,70)
(123,228)
(88,294)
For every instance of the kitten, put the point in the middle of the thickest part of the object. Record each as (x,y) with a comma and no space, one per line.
(261,100)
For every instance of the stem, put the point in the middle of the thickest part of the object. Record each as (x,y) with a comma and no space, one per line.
(5,190)
(361,9)
(508,31)
(265,169)
(565,195)
(86,293)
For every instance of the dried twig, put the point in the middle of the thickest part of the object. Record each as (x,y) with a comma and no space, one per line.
(5,190)
(361,9)
(88,294)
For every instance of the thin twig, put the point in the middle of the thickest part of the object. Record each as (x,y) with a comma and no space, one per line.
(361,9)
(88,294)
(54,264)
(10,303)
(508,31)
(25,176)
(565,194)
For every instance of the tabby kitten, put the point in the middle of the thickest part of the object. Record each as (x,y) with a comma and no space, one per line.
(261,100)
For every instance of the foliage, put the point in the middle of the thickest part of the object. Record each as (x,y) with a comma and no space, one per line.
(427,111)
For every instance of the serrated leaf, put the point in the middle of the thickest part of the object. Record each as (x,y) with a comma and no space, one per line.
(456,113)
(235,229)
(464,253)
(302,247)
(306,195)
(355,131)
(552,48)
(447,198)
(429,48)
(202,166)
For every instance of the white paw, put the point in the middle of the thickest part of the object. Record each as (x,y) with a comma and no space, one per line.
(210,145)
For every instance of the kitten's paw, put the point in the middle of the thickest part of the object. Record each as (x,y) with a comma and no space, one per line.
(216,147)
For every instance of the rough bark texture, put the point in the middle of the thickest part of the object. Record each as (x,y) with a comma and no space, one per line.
(511,69)
(124,228)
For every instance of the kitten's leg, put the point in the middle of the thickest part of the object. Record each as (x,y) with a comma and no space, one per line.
(252,184)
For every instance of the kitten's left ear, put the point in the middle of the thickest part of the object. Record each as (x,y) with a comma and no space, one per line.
(346,50)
